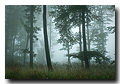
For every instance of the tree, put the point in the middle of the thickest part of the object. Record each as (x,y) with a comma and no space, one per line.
(111,28)
(67,40)
(99,57)
(84,38)
(98,29)
(27,23)
(67,17)
(17,24)
(46,40)
(31,38)
(12,26)
(52,34)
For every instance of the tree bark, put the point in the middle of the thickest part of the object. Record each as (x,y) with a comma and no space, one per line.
(84,37)
(31,37)
(46,40)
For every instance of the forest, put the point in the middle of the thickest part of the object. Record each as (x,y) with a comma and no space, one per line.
(32,32)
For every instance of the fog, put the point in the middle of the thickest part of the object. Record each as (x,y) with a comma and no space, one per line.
(110,47)
(60,55)
(59,42)
(53,33)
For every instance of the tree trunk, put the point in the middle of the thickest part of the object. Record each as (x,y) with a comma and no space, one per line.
(102,31)
(50,33)
(13,47)
(46,40)
(80,38)
(31,37)
(88,37)
(26,48)
(49,25)
(68,51)
(84,37)
(80,44)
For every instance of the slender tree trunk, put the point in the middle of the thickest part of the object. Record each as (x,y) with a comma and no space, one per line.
(84,37)
(13,47)
(80,38)
(88,37)
(88,43)
(69,61)
(68,51)
(80,44)
(46,40)
(26,48)
(49,24)
(50,18)
(31,38)
(69,64)
(50,33)
(102,31)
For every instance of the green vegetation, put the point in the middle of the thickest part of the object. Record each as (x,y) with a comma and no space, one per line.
(61,71)
(31,32)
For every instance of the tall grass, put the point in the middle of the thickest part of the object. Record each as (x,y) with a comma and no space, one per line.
(60,72)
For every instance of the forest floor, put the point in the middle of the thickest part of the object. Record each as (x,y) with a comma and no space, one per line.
(61,71)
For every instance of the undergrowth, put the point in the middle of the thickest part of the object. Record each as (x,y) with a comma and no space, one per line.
(60,72)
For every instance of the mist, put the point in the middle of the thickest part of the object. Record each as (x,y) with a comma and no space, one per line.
(110,47)
(60,37)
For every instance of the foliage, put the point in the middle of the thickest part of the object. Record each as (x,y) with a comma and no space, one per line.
(27,51)
(26,21)
(99,57)
(13,31)
(112,29)
(67,17)
(98,30)
(17,24)
(67,41)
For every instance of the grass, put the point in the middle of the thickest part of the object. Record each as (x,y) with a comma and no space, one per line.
(60,72)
